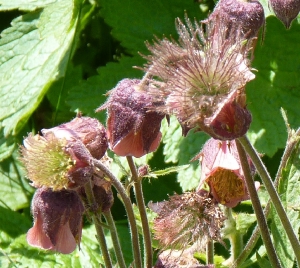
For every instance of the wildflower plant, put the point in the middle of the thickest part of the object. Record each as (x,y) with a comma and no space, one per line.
(161,165)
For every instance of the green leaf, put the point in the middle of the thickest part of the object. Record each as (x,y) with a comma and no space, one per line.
(244,221)
(20,254)
(263,262)
(277,83)
(135,21)
(34,52)
(24,5)
(289,191)
(7,146)
(181,150)
(14,190)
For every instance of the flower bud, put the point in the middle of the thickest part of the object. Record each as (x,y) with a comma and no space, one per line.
(286,10)
(240,17)
(133,129)
(57,220)
(221,170)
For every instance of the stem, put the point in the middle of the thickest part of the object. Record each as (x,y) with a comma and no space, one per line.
(100,233)
(273,195)
(210,252)
(129,210)
(115,239)
(234,235)
(142,209)
(261,220)
(291,143)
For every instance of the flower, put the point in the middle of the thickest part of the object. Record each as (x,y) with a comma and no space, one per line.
(186,220)
(57,220)
(61,158)
(221,170)
(243,18)
(132,128)
(197,77)
(286,10)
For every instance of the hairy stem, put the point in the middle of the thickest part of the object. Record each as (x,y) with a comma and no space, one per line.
(261,220)
(142,209)
(100,233)
(210,252)
(129,210)
(261,169)
(291,143)
(115,239)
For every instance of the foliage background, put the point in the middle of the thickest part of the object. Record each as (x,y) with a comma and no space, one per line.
(60,57)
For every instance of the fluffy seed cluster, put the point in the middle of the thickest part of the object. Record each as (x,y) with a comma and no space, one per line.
(197,76)
(188,219)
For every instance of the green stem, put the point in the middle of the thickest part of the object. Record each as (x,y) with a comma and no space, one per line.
(115,239)
(234,235)
(142,209)
(261,220)
(129,210)
(100,233)
(261,169)
(210,252)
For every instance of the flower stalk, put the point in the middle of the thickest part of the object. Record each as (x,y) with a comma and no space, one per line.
(261,169)
(142,209)
(129,210)
(261,220)
(99,229)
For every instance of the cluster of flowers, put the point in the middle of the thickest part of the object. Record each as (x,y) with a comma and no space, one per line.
(201,80)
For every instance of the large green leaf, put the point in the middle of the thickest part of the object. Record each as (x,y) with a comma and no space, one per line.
(289,190)
(24,5)
(135,21)
(34,52)
(277,84)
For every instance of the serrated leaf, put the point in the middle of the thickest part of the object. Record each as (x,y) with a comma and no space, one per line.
(24,5)
(276,85)
(244,221)
(135,21)
(34,52)
(181,150)
(21,254)
(289,191)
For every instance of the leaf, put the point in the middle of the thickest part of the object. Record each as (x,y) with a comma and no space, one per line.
(21,254)
(181,150)
(276,85)
(13,184)
(244,221)
(24,5)
(135,21)
(7,146)
(289,191)
(34,52)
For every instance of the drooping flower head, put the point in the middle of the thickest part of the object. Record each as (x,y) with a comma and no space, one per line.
(61,158)
(133,129)
(187,219)
(221,170)
(57,220)
(239,17)
(286,10)
(201,79)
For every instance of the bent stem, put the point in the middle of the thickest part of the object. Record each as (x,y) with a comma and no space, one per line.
(261,220)
(291,143)
(100,233)
(142,209)
(261,169)
(115,239)
(129,210)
